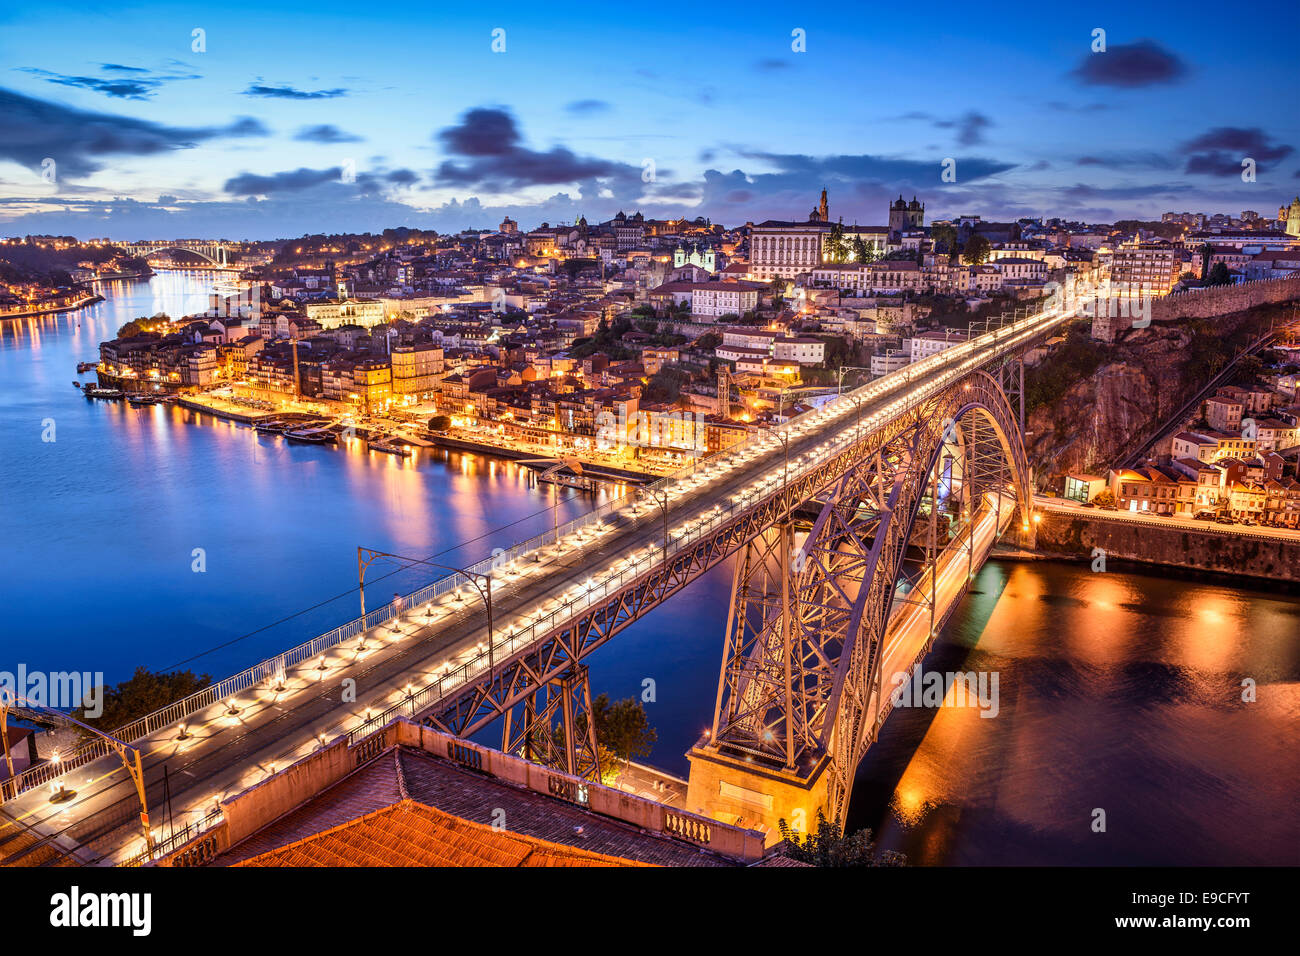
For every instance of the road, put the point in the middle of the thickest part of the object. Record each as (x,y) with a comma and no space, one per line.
(1183,522)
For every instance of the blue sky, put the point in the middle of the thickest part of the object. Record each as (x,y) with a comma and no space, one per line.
(255,136)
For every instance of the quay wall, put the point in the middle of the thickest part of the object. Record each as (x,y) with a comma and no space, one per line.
(1209,548)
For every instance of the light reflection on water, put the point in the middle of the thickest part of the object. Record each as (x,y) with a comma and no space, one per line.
(1117,691)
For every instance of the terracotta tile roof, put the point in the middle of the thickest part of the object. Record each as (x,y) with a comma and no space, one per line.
(401,773)
(411,834)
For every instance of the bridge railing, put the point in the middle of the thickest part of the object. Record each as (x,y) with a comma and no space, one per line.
(277,668)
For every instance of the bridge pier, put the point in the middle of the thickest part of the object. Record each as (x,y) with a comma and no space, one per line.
(751,793)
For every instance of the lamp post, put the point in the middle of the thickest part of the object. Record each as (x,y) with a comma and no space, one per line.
(482,584)
(130,756)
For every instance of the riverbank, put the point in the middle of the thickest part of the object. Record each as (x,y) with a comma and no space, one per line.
(1266,557)
(41,313)
(497,451)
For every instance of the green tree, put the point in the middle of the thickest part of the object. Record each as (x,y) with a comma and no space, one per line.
(623,727)
(1219,275)
(835,247)
(1206,251)
(828,846)
(439,423)
(976,251)
(944,238)
(145,692)
(860,251)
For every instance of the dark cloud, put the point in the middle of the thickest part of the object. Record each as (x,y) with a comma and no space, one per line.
(1219,151)
(1131,65)
(970,127)
(289,93)
(251,184)
(325,133)
(76,139)
(488,139)
(1061,107)
(1128,161)
(588,107)
(140,85)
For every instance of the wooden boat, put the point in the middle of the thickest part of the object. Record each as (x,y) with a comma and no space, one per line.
(389,448)
(76,384)
(86,366)
(96,392)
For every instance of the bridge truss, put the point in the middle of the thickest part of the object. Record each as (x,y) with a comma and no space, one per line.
(869,478)
(802,688)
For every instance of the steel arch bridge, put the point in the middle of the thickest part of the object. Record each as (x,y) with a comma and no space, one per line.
(814,626)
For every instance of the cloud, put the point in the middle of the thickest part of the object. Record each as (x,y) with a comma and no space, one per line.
(140,85)
(588,107)
(1220,151)
(1134,160)
(970,126)
(771,64)
(325,133)
(289,93)
(1061,107)
(76,139)
(1131,65)
(251,184)
(488,142)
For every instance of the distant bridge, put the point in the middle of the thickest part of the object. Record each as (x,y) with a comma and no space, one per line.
(217,253)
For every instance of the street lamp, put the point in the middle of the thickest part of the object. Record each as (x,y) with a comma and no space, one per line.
(130,756)
(482,584)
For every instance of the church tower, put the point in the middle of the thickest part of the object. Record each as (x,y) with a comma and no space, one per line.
(822,213)
(1293,218)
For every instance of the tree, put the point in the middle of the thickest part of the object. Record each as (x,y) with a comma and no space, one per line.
(439,423)
(1104,499)
(145,692)
(828,846)
(977,250)
(1206,251)
(835,247)
(860,251)
(944,238)
(623,727)
(1220,274)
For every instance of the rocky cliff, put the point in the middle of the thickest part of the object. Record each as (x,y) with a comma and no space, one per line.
(1093,403)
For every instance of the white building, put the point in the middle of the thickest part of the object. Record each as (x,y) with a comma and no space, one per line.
(925,344)
(802,349)
(712,299)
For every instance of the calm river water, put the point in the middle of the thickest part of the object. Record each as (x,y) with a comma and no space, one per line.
(1117,691)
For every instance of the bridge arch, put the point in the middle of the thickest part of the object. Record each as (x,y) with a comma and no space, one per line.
(802,694)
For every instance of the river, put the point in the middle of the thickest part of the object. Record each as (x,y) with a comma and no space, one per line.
(1118,691)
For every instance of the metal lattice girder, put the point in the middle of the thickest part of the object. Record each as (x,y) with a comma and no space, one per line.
(558,728)
(877,465)
(470,708)
(801,671)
